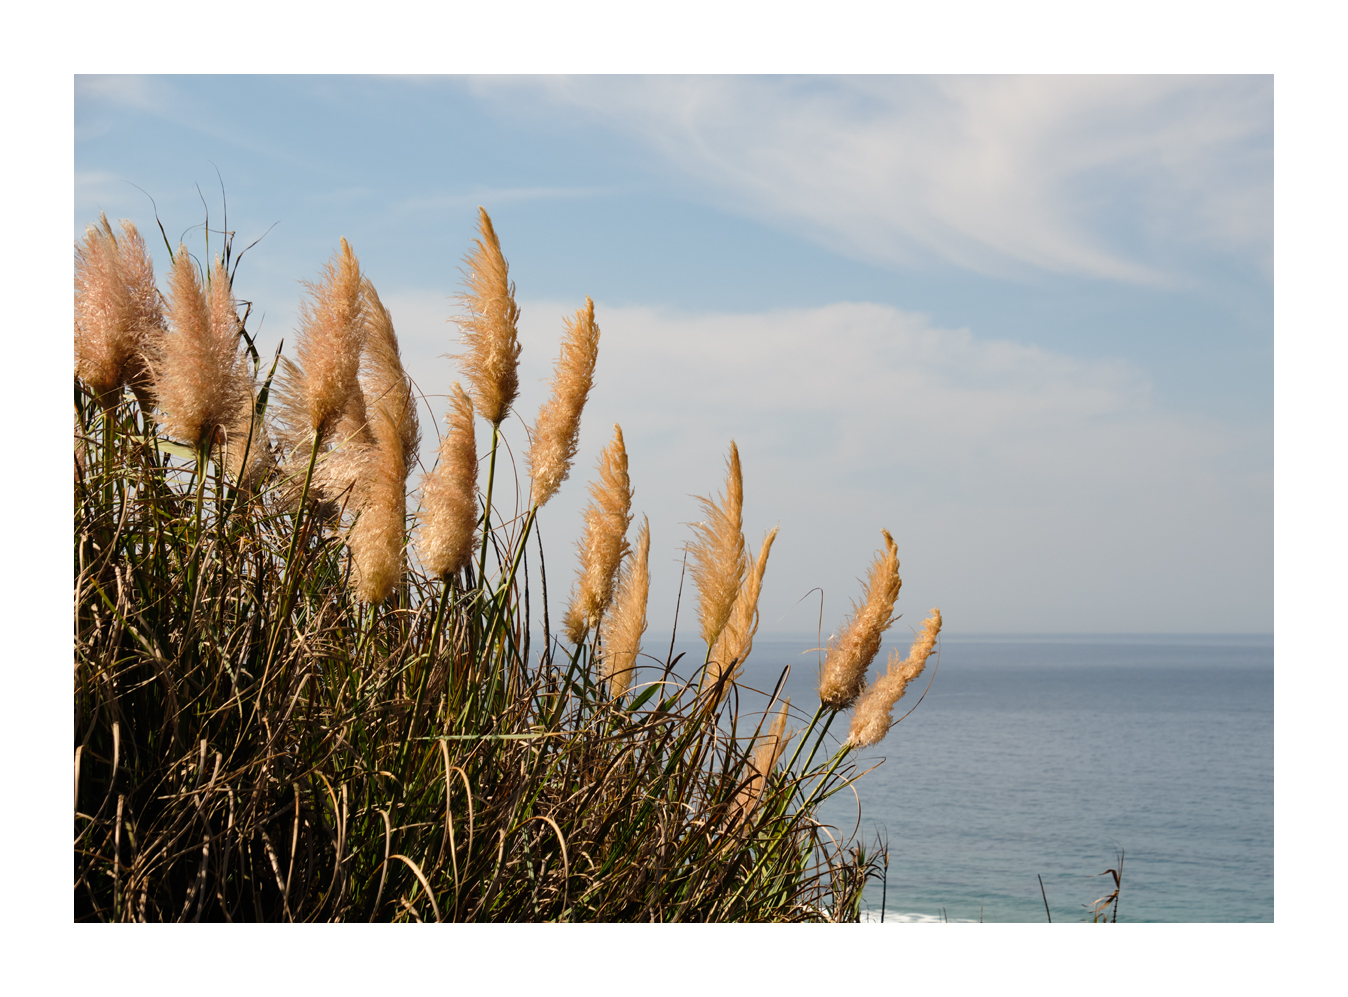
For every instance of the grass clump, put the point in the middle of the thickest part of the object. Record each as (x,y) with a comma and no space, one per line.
(280,715)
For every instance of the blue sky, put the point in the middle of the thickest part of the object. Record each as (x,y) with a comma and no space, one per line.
(1026,324)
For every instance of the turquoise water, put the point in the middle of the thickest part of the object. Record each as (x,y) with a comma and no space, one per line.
(1043,756)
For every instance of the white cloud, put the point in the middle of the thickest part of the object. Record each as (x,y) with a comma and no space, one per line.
(991,173)
(1027,490)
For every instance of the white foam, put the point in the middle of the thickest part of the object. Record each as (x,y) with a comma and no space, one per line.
(901,917)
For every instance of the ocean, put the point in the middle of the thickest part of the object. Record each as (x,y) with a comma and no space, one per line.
(1049,755)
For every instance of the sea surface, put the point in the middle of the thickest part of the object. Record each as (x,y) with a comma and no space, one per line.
(1048,756)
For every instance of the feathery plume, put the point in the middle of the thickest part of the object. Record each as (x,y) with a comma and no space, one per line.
(626,622)
(244,442)
(201,380)
(318,395)
(874,713)
(320,388)
(557,429)
(376,537)
(448,502)
(604,541)
(737,639)
(489,329)
(766,755)
(718,557)
(101,301)
(844,673)
(118,312)
(386,386)
(145,313)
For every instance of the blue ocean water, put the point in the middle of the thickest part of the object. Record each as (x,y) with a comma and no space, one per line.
(1046,755)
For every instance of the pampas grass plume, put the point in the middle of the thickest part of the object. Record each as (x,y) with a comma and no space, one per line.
(387,391)
(844,672)
(604,541)
(873,716)
(737,639)
(718,557)
(318,396)
(376,538)
(557,430)
(200,375)
(322,385)
(626,621)
(492,360)
(448,496)
(101,301)
(118,311)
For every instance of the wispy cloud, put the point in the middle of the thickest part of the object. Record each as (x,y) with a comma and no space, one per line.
(1081,175)
(100,100)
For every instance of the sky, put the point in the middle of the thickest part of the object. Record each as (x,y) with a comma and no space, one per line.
(1023,323)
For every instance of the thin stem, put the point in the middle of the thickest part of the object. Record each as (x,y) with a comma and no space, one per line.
(486,509)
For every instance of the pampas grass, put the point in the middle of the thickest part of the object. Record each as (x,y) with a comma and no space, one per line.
(320,404)
(377,536)
(717,553)
(844,673)
(118,311)
(557,428)
(737,638)
(277,717)
(492,359)
(603,543)
(873,717)
(626,620)
(386,387)
(448,502)
(102,343)
(200,372)
(322,385)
